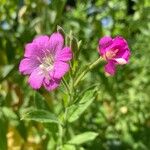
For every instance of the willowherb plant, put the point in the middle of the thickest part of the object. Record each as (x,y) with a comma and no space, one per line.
(48,59)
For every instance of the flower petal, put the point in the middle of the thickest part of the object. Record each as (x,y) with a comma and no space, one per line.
(36,78)
(27,65)
(119,43)
(56,42)
(104,43)
(110,68)
(53,84)
(64,55)
(32,50)
(41,39)
(124,54)
(60,68)
(120,61)
(42,43)
(105,40)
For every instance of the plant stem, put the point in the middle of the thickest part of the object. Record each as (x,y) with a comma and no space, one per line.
(60,139)
(62,128)
(90,67)
(66,85)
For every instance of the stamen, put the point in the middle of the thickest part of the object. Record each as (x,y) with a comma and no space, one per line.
(46,64)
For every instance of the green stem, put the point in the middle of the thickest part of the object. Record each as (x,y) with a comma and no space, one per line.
(60,137)
(90,67)
(62,129)
(66,85)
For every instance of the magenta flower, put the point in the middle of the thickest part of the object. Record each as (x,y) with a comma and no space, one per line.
(46,61)
(114,51)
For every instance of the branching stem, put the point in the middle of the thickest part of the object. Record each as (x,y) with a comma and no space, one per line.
(90,67)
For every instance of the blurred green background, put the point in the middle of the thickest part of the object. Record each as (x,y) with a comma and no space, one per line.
(120,113)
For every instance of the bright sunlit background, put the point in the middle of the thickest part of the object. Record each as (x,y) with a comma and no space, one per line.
(121,112)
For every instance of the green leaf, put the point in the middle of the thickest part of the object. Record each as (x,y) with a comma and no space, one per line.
(83,138)
(40,116)
(75,111)
(69,147)
(40,102)
(11,116)
(7,71)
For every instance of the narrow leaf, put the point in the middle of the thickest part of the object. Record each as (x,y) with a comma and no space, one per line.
(69,147)
(75,111)
(40,102)
(83,138)
(40,116)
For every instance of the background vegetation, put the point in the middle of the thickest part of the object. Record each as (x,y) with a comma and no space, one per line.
(120,113)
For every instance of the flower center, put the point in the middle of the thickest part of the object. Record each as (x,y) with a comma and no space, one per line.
(47,64)
(110,54)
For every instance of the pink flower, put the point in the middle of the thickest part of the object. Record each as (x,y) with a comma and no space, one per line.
(114,51)
(45,61)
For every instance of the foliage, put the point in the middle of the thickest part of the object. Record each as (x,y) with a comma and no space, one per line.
(107,112)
